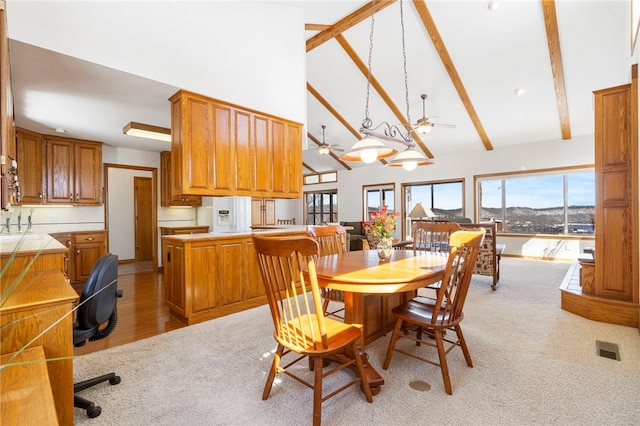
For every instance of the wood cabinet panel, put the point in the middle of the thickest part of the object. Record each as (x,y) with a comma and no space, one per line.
(263,212)
(74,171)
(233,264)
(223,149)
(244,173)
(59,171)
(204,267)
(208,277)
(31,166)
(87,173)
(616,160)
(167,198)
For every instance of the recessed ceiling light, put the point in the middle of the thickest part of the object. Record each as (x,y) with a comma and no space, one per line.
(520,91)
(493,4)
(60,130)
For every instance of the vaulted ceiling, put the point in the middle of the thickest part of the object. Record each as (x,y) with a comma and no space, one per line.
(467,58)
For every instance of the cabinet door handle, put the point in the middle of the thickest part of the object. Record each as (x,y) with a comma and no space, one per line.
(89,239)
(40,195)
(78,251)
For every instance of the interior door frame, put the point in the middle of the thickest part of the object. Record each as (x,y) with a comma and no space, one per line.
(154,202)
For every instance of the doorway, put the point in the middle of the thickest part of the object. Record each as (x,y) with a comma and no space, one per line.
(122,205)
(142,218)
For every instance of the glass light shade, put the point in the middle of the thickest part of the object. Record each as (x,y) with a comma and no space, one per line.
(372,147)
(323,150)
(424,129)
(410,159)
(368,155)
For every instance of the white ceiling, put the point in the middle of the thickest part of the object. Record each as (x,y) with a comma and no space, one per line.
(494,52)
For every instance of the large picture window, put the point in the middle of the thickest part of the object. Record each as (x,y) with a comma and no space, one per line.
(553,202)
(321,207)
(444,198)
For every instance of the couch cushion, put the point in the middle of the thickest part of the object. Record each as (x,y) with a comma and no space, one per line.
(357,228)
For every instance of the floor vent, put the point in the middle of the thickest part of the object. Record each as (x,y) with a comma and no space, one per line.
(607,350)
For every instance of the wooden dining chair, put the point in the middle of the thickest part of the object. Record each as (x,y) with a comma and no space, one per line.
(331,239)
(432,236)
(287,221)
(444,312)
(301,329)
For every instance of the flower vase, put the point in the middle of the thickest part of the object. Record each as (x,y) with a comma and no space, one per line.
(384,249)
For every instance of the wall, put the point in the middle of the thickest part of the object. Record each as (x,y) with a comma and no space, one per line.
(541,155)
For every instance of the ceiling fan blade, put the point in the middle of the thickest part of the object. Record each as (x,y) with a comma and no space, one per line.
(451,126)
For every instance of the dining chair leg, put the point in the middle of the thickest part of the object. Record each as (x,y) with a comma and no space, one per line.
(317,391)
(325,307)
(463,346)
(272,373)
(442,355)
(392,343)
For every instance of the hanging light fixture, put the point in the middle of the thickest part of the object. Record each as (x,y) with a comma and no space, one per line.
(371,147)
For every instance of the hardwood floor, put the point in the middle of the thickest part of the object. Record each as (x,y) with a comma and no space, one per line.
(141,310)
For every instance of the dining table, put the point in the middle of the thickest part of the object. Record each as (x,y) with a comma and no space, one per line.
(361,273)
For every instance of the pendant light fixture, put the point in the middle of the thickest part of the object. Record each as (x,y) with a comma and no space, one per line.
(371,148)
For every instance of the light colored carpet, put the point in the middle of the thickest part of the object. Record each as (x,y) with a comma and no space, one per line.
(533,364)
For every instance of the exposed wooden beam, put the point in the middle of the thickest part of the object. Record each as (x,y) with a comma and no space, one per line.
(383,93)
(438,43)
(336,114)
(316,27)
(555,56)
(335,157)
(308,167)
(347,22)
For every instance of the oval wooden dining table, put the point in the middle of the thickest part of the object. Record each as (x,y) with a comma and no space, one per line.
(358,273)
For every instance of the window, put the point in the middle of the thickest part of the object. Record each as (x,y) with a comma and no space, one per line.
(554,202)
(445,199)
(321,178)
(321,207)
(375,197)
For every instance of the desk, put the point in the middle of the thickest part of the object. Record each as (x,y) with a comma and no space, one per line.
(357,273)
(42,298)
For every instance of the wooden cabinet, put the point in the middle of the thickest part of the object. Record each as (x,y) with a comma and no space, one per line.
(211,276)
(263,212)
(223,149)
(74,171)
(31,167)
(167,199)
(85,247)
(616,163)
(611,286)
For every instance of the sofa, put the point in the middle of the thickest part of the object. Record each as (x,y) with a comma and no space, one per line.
(356,235)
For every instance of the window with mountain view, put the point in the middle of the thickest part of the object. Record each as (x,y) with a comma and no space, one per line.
(559,202)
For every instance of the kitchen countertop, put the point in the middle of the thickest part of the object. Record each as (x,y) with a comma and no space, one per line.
(232,234)
(28,242)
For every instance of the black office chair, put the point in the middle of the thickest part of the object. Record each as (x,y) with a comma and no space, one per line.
(97,306)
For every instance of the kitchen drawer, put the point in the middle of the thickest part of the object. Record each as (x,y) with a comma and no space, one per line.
(88,237)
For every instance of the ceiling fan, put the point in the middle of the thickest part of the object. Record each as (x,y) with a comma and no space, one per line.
(324,148)
(425,124)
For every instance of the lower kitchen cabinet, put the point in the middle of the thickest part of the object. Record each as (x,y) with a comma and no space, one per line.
(85,248)
(208,277)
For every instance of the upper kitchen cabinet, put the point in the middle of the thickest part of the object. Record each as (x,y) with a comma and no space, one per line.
(74,171)
(223,149)
(31,167)
(167,199)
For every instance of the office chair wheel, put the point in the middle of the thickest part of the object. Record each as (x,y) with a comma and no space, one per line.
(93,411)
(115,380)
